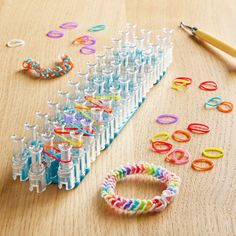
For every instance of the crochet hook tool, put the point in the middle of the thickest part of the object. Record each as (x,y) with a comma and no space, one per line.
(227,48)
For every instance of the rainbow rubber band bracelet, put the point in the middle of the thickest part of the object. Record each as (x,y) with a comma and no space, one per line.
(139,206)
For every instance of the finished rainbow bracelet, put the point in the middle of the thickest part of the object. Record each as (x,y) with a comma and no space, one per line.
(138,206)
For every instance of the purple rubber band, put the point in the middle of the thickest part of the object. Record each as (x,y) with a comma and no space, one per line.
(89,40)
(160,119)
(69,25)
(87,50)
(55,34)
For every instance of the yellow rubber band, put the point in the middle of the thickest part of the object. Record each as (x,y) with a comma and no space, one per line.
(75,144)
(88,116)
(179,86)
(218,150)
(165,136)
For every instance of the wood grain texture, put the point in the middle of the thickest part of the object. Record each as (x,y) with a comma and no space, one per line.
(206,203)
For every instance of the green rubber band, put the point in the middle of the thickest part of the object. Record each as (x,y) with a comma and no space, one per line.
(97,28)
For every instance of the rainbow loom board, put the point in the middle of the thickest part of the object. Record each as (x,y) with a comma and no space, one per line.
(62,146)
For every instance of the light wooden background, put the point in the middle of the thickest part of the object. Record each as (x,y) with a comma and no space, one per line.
(206,203)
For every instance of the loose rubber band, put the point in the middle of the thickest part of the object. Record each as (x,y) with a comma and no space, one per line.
(85,40)
(180,82)
(15,43)
(212,149)
(180,160)
(209,163)
(229,106)
(87,50)
(161,143)
(138,206)
(162,119)
(55,34)
(198,128)
(208,85)
(178,139)
(165,136)
(96,28)
(216,101)
(69,25)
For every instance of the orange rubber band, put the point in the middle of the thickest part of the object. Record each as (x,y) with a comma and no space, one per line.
(178,139)
(202,160)
(229,105)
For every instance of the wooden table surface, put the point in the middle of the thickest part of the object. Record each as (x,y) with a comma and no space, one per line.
(206,203)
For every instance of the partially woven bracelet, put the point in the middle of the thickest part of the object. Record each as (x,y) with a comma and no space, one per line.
(137,206)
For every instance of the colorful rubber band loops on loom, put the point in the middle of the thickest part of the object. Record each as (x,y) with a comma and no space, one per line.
(164,136)
(164,119)
(208,85)
(213,102)
(221,106)
(97,28)
(198,128)
(69,25)
(102,120)
(181,82)
(139,206)
(45,73)
(212,149)
(55,34)
(87,50)
(15,43)
(180,159)
(87,40)
(209,163)
(161,143)
(179,139)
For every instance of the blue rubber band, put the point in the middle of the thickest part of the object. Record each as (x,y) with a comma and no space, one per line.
(218,100)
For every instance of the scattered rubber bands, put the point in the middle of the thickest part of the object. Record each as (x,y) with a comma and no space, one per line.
(161,143)
(96,28)
(197,167)
(208,86)
(69,25)
(178,156)
(139,206)
(220,152)
(181,82)
(216,102)
(198,128)
(45,73)
(167,119)
(176,137)
(15,43)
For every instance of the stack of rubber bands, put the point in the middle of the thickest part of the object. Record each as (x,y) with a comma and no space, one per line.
(181,83)
(87,41)
(180,156)
(139,206)
(46,73)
